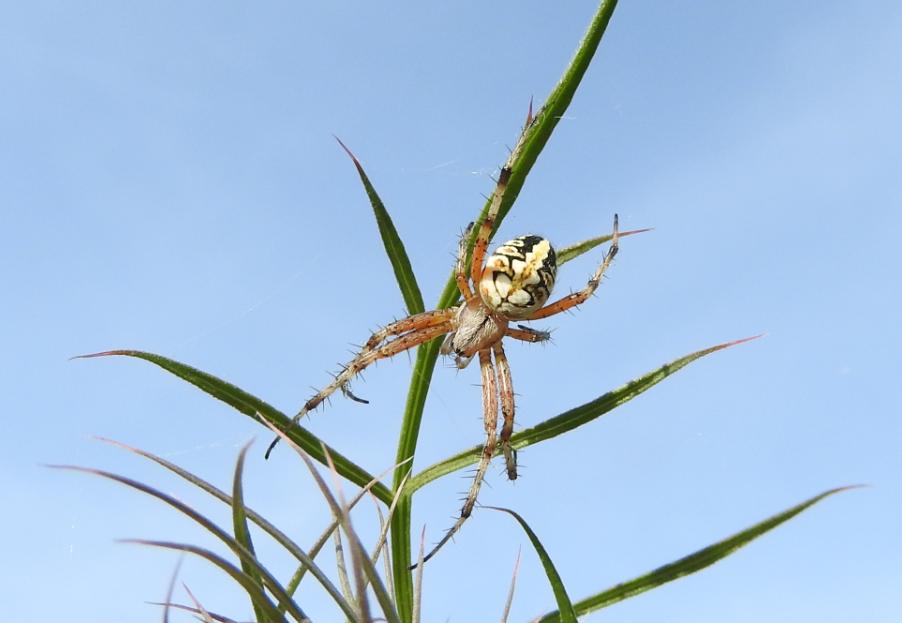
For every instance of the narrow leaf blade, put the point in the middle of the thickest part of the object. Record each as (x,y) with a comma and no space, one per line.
(255,408)
(524,155)
(397,254)
(571,419)
(690,564)
(255,591)
(573,251)
(241,530)
(565,606)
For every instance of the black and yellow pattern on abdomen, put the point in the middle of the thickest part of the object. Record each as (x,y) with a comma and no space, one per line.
(519,276)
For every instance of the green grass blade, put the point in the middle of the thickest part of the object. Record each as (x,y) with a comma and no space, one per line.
(565,606)
(255,408)
(690,564)
(255,591)
(573,251)
(397,255)
(400,531)
(536,134)
(524,155)
(241,530)
(568,420)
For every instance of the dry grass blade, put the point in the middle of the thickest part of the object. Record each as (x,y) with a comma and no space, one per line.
(510,593)
(219,618)
(380,543)
(200,608)
(386,555)
(342,569)
(418,581)
(566,612)
(170,590)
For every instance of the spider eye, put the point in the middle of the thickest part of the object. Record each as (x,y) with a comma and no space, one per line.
(519,276)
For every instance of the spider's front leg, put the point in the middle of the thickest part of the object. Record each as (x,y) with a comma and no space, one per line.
(577,298)
(490,420)
(412,331)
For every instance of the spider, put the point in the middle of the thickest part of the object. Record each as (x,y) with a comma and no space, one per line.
(511,286)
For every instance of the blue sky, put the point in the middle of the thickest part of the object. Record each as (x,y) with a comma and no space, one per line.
(169,182)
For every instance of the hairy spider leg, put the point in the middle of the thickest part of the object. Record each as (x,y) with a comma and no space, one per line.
(578,298)
(528,334)
(490,420)
(488,224)
(506,392)
(407,341)
(461,273)
(411,323)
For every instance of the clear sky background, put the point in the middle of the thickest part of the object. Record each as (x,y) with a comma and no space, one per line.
(169,182)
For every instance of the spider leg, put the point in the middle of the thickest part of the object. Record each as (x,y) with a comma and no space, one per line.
(488,224)
(365,359)
(411,323)
(528,334)
(506,392)
(461,276)
(577,298)
(490,408)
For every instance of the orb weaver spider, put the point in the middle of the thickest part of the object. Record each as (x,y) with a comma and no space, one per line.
(513,284)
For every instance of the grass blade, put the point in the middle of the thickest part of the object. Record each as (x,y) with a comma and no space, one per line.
(510,592)
(565,608)
(240,528)
(199,606)
(397,255)
(216,617)
(255,591)
(246,557)
(305,559)
(691,563)
(568,420)
(358,552)
(524,155)
(573,251)
(258,410)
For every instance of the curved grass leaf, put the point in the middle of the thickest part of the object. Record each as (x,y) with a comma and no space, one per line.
(243,554)
(573,251)
(255,591)
(306,560)
(524,155)
(571,419)
(397,255)
(691,563)
(565,607)
(240,528)
(256,409)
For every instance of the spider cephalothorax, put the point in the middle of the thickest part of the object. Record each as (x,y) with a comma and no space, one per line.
(513,284)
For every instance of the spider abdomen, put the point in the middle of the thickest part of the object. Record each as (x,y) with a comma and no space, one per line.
(519,276)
